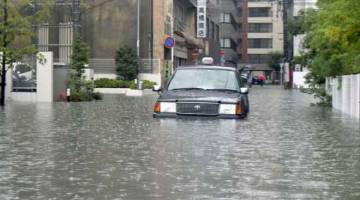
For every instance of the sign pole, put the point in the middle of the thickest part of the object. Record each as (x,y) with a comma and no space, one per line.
(172,48)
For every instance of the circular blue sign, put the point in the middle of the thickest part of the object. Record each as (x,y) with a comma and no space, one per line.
(169,42)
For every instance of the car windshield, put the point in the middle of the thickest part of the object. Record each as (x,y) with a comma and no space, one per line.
(204,79)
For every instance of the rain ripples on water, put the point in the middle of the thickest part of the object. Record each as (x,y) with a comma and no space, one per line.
(114,149)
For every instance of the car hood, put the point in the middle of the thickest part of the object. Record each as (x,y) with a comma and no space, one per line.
(209,96)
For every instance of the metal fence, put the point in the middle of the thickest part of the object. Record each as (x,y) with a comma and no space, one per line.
(151,66)
(58,39)
(103,66)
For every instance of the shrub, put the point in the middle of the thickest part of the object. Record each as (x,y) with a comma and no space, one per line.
(127,63)
(148,84)
(110,83)
(107,83)
(80,96)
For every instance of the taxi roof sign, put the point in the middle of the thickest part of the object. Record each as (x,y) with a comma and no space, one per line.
(207,61)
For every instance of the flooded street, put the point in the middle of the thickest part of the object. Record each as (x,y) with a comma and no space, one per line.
(114,149)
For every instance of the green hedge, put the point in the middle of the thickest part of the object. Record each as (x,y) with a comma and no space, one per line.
(111,83)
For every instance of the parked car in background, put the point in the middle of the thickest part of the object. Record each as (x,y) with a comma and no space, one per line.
(207,91)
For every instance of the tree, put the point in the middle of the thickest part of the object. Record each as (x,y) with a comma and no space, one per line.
(16,32)
(127,63)
(80,89)
(332,42)
(80,56)
(275,60)
(333,38)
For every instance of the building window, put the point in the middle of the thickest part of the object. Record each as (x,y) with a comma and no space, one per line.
(260,43)
(225,43)
(225,18)
(260,28)
(260,12)
(259,58)
(180,12)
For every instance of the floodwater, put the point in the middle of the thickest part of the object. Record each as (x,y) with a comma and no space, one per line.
(114,149)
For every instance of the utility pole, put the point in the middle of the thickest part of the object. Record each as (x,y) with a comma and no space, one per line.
(138,30)
(5,44)
(172,49)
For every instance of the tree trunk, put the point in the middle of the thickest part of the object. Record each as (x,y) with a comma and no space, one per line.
(3,80)
(5,44)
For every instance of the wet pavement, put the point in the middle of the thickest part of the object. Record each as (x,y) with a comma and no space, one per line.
(114,149)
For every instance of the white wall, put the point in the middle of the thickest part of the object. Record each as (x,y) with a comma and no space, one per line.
(345,92)
(45,77)
(299,79)
(108,76)
(44,82)
(151,77)
(9,84)
(88,74)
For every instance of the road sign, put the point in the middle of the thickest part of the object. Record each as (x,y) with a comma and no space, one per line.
(201,25)
(169,42)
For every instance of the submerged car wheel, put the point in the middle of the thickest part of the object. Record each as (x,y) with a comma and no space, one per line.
(244,108)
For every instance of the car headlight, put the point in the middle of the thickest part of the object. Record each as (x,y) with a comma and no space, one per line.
(165,107)
(228,109)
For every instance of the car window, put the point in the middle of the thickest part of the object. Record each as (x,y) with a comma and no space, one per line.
(205,79)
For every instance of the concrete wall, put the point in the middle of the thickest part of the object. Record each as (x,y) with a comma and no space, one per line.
(45,78)
(299,79)
(345,92)
(44,82)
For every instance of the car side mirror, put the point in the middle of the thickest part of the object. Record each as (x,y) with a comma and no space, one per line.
(244,90)
(156,88)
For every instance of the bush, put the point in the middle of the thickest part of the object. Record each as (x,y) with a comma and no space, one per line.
(110,83)
(133,86)
(148,84)
(127,63)
(80,96)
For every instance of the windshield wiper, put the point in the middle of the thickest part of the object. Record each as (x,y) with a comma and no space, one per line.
(226,90)
(194,88)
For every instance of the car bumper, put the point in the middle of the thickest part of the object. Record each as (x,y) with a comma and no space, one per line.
(174,115)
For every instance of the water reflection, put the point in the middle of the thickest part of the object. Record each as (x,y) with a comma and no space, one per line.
(114,149)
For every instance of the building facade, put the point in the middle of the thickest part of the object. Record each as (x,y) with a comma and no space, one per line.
(108,25)
(262,33)
(177,19)
(227,16)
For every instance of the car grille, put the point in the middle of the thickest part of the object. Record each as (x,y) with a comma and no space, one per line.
(197,108)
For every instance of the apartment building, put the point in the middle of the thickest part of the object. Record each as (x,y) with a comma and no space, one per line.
(227,16)
(262,33)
